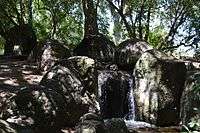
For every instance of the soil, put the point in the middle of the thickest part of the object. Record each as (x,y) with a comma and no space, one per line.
(16,74)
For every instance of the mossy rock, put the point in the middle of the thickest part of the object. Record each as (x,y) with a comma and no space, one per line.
(159,83)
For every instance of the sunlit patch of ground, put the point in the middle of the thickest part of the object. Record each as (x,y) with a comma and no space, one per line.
(17,74)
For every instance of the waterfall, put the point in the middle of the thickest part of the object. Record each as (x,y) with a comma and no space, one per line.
(115,92)
(131,103)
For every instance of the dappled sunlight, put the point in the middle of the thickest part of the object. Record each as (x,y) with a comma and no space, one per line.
(32,79)
(3,66)
(18,74)
(26,72)
(12,82)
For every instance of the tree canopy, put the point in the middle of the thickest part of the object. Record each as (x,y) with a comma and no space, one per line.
(165,24)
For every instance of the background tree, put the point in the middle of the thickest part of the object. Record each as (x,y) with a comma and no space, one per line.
(165,24)
(14,25)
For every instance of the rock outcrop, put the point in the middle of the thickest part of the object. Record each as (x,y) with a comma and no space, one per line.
(51,52)
(63,79)
(41,108)
(97,47)
(91,123)
(115,125)
(84,69)
(129,51)
(190,102)
(159,82)
(115,92)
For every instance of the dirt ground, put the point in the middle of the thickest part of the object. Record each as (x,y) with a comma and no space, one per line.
(17,74)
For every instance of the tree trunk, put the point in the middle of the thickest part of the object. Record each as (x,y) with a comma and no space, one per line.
(8,48)
(90,12)
(147,24)
(140,16)
(128,27)
(30,19)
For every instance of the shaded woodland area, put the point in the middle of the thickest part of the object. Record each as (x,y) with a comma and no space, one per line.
(99,66)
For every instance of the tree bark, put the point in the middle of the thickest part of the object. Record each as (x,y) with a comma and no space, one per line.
(147,24)
(30,19)
(128,27)
(140,16)
(90,12)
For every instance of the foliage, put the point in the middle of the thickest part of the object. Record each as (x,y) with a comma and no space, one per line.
(58,19)
(164,24)
(157,37)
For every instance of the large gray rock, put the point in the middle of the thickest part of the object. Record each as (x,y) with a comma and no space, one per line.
(129,51)
(97,47)
(65,79)
(159,82)
(190,101)
(41,108)
(90,123)
(115,92)
(51,52)
(84,68)
(115,125)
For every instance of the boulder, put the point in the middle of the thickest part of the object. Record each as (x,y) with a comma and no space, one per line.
(90,123)
(116,125)
(97,47)
(84,69)
(190,101)
(159,83)
(129,51)
(63,79)
(41,108)
(115,92)
(51,52)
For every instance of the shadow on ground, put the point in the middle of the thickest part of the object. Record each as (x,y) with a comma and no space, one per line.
(17,74)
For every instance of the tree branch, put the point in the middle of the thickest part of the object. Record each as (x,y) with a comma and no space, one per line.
(128,28)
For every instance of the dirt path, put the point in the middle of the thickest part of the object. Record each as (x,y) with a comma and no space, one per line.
(17,74)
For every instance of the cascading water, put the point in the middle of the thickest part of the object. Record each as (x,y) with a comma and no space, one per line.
(130,99)
(115,91)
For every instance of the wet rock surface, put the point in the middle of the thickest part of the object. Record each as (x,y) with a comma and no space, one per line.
(91,123)
(115,125)
(129,51)
(159,82)
(115,94)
